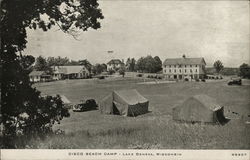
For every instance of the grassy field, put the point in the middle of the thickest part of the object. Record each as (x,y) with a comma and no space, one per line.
(155,129)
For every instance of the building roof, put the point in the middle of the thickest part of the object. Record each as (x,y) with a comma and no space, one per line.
(36,73)
(177,61)
(115,61)
(61,70)
(69,69)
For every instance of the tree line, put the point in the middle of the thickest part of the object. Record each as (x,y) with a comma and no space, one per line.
(243,70)
(147,64)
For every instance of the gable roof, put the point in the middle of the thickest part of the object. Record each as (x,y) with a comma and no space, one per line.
(115,61)
(207,101)
(177,61)
(65,99)
(36,73)
(69,69)
(131,96)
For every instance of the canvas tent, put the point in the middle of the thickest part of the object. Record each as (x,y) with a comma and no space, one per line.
(66,102)
(200,108)
(124,102)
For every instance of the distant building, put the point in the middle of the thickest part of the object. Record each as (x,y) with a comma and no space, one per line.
(70,72)
(180,68)
(114,64)
(39,76)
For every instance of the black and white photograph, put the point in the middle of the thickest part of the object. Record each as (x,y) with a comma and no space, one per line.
(126,75)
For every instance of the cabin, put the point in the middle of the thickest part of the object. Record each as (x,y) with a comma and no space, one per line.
(39,76)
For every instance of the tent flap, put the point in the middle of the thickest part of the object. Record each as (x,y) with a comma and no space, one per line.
(106,105)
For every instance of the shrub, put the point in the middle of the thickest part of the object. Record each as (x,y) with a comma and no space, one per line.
(139,75)
(101,77)
(110,72)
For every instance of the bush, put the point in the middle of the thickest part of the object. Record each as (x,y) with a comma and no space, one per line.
(110,72)
(101,77)
(139,75)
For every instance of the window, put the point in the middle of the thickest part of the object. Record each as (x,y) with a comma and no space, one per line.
(185,70)
(185,66)
(179,66)
(180,70)
(196,70)
(190,70)
(170,70)
(196,65)
(169,66)
(190,65)
(175,71)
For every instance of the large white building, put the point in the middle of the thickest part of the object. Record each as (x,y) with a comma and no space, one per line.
(180,68)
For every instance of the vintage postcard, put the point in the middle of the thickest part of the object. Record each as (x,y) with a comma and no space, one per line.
(127,79)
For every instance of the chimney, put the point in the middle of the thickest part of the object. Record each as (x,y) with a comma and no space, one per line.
(184,56)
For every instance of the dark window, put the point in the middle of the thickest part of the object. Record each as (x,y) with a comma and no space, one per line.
(185,70)
(196,65)
(170,70)
(196,70)
(180,70)
(190,65)
(175,70)
(185,66)
(191,70)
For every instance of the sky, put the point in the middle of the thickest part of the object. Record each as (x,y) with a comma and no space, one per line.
(215,30)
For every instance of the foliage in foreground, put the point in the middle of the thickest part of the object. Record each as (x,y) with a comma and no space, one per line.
(24,111)
(160,135)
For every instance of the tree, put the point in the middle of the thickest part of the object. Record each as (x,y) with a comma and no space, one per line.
(132,65)
(26,62)
(218,66)
(104,67)
(42,65)
(244,70)
(98,68)
(85,63)
(58,61)
(148,64)
(17,95)
(158,64)
(128,64)
(122,71)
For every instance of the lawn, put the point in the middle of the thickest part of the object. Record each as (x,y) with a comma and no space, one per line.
(155,129)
